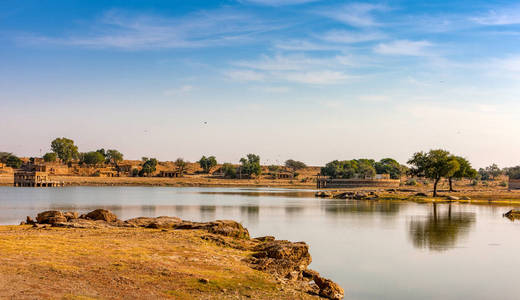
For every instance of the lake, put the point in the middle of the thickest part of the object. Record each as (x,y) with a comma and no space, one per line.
(375,250)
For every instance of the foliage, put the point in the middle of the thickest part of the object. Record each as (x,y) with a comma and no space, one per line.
(295,165)
(113,156)
(503,184)
(465,169)
(4,156)
(206,163)
(435,164)
(135,172)
(65,149)
(513,172)
(149,166)
(390,166)
(251,164)
(349,168)
(411,181)
(50,157)
(92,158)
(490,172)
(229,170)
(13,161)
(181,165)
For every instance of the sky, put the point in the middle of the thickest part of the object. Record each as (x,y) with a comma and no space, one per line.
(307,80)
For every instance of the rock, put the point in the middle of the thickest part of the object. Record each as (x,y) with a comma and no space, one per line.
(421,194)
(329,289)
(453,198)
(310,274)
(465,198)
(159,222)
(323,194)
(228,228)
(101,214)
(512,214)
(29,221)
(70,215)
(344,195)
(50,217)
(281,257)
(360,196)
(265,238)
(204,280)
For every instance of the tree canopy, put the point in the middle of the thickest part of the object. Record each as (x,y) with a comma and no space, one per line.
(513,172)
(113,156)
(206,163)
(92,158)
(295,165)
(465,170)
(435,165)
(346,169)
(50,157)
(389,166)
(149,166)
(251,165)
(10,160)
(490,172)
(65,149)
(229,170)
(181,165)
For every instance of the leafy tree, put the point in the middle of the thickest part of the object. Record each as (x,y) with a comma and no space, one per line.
(50,157)
(513,172)
(435,164)
(149,166)
(13,161)
(181,165)
(229,170)
(113,156)
(490,172)
(295,165)
(65,149)
(206,163)
(465,171)
(389,166)
(93,158)
(251,164)
(366,169)
(347,169)
(102,151)
(4,156)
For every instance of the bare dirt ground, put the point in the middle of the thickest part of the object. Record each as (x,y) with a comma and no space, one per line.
(127,263)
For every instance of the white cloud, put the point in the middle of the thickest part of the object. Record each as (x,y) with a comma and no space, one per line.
(315,77)
(179,91)
(508,16)
(304,45)
(348,37)
(403,47)
(123,30)
(355,14)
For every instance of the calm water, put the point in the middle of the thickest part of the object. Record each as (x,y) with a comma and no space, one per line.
(375,250)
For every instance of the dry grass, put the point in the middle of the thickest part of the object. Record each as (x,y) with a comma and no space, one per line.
(126,263)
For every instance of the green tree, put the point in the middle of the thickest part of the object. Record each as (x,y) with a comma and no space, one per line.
(465,171)
(295,165)
(13,161)
(149,166)
(93,158)
(513,172)
(114,157)
(206,163)
(229,170)
(346,169)
(102,151)
(65,149)
(490,172)
(366,169)
(50,157)
(251,165)
(4,156)
(181,164)
(435,164)
(389,166)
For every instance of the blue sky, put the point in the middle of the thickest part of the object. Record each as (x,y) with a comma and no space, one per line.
(308,80)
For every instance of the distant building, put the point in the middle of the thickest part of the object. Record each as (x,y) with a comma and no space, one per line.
(33,179)
(170,174)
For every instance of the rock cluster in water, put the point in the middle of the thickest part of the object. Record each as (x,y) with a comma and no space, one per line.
(287,261)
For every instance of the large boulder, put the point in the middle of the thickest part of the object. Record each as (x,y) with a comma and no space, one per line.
(70,215)
(50,217)
(329,289)
(228,228)
(159,222)
(101,214)
(281,257)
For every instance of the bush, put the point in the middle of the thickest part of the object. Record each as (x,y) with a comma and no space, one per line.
(229,170)
(135,172)
(411,181)
(503,184)
(474,182)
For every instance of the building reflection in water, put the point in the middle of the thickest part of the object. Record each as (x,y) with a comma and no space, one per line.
(251,212)
(442,229)
(343,207)
(207,212)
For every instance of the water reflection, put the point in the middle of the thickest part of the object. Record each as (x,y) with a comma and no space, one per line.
(262,193)
(344,207)
(441,230)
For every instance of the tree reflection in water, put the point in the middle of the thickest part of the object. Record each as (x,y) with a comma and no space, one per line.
(342,207)
(440,230)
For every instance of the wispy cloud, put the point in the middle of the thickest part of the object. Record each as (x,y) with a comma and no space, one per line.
(348,37)
(355,14)
(509,16)
(125,30)
(293,68)
(404,47)
(244,75)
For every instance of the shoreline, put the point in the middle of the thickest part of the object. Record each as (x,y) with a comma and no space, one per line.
(95,256)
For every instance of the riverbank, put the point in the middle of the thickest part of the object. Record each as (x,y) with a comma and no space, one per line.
(99,257)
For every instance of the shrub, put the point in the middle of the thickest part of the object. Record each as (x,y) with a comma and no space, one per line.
(503,184)
(411,181)
(229,170)
(135,172)
(474,182)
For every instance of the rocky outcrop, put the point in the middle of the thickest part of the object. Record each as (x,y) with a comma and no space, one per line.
(287,261)
(101,214)
(323,194)
(50,217)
